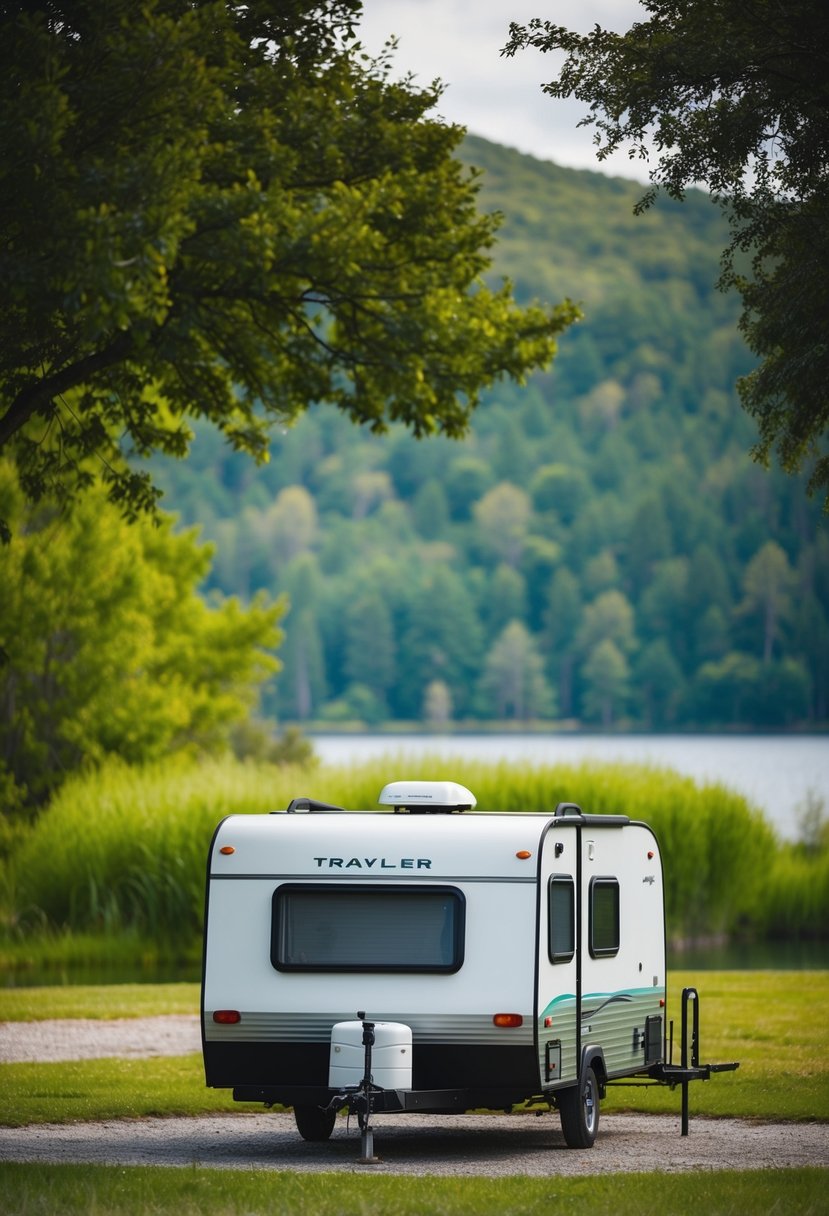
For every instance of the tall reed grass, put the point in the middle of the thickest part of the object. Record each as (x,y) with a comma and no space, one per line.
(124,849)
(795,900)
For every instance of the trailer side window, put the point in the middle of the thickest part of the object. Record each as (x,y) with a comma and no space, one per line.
(562,903)
(360,928)
(604,917)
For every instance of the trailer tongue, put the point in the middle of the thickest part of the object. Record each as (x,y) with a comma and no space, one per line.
(503,959)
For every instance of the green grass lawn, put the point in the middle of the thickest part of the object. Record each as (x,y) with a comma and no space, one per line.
(141,1191)
(100,1001)
(107,1089)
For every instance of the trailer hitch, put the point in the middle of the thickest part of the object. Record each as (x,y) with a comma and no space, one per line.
(359,1100)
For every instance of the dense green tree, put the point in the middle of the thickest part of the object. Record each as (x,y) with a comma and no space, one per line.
(359,703)
(708,582)
(782,694)
(810,630)
(540,557)
(289,526)
(109,649)
(711,637)
(511,457)
(370,649)
(437,704)
(560,488)
(467,480)
(302,683)
(601,573)
(369,489)
(659,683)
(724,689)
(513,684)
(561,620)
(442,640)
(649,542)
(333,484)
(227,210)
(410,463)
(430,510)
(663,606)
(606,677)
(302,686)
(767,583)
(503,516)
(733,94)
(607,618)
(505,599)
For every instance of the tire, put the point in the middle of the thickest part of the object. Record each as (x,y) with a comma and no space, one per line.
(579,1110)
(314,1123)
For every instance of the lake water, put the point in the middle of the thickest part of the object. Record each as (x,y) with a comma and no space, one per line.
(776,773)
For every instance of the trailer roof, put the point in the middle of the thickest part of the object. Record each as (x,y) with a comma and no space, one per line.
(368,845)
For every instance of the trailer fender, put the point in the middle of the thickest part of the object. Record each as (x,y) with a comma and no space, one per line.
(592,1056)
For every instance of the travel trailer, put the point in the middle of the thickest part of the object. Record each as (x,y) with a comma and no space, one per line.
(427,957)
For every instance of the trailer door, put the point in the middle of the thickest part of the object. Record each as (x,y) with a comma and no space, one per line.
(622,973)
(557,992)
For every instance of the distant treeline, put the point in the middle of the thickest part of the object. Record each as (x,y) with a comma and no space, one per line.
(601,548)
(120,854)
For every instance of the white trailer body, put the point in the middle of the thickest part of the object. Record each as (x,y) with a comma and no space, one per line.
(525,951)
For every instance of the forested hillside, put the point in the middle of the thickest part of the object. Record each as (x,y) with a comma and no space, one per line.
(600,549)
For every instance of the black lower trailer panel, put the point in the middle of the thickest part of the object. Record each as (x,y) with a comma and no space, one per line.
(279,1066)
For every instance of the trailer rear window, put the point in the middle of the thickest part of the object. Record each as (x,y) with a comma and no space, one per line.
(360,928)
(604,917)
(562,944)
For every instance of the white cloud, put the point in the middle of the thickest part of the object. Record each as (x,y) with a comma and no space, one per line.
(501,99)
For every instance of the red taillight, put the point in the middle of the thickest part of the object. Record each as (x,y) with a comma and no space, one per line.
(508,1019)
(227,1017)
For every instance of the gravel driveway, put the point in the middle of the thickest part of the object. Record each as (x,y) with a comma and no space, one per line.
(485,1145)
(91,1039)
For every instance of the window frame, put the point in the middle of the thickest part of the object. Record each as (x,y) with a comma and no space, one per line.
(561,956)
(604,882)
(285,890)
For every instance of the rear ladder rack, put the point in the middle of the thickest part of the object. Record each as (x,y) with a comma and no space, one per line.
(690,1068)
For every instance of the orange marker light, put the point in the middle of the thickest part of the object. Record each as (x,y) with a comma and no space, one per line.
(227,1017)
(508,1019)
(522,854)
(227,849)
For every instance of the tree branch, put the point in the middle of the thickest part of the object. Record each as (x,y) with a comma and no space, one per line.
(39,392)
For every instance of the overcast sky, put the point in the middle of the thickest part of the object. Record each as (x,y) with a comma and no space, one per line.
(501,99)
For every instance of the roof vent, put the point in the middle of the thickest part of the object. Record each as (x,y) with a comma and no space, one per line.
(427,797)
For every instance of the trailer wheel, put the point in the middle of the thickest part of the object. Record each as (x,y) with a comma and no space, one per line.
(314,1123)
(579,1110)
